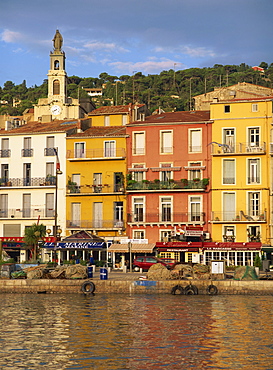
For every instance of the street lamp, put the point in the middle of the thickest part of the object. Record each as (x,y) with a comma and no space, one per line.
(55,231)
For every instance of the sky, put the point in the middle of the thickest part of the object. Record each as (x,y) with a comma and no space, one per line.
(122,37)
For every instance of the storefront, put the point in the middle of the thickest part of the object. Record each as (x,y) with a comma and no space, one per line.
(79,246)
(237,254)
(121,254)
(18,250)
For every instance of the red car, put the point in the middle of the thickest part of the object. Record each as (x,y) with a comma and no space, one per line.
(145,262)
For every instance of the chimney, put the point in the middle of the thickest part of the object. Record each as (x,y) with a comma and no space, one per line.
(79,127)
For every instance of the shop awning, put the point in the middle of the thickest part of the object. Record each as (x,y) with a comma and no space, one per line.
(79,245)
(136,248)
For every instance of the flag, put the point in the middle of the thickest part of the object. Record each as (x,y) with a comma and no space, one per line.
(58,167)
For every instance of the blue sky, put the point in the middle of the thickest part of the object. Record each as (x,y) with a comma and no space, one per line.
(127,36)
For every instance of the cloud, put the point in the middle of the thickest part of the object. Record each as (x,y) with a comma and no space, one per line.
(104,47)
(11,36)
(150,66)
(194,52)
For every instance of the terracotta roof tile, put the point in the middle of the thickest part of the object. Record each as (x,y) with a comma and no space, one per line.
(38,127)
(189,116)
(115,109)
(99,131)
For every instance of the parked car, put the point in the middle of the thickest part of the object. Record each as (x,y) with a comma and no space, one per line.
(170,261)
(145,262)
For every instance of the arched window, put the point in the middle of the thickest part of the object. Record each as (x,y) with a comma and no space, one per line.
(56,64)
(56,87)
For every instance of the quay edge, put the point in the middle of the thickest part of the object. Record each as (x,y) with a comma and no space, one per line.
(64,286)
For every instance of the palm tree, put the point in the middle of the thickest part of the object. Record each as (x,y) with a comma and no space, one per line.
(33,234)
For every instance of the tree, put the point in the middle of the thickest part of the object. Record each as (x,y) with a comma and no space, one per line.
(263,65)
(33,234)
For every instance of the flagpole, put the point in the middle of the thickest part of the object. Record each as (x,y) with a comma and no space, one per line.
(57,172)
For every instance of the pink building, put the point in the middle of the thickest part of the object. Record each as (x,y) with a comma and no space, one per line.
(169,167)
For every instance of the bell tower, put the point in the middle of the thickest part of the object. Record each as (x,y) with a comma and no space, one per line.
(57,78)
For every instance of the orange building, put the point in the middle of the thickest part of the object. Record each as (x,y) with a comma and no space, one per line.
(169,167)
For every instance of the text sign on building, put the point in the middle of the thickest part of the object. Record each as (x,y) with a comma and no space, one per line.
(194,231)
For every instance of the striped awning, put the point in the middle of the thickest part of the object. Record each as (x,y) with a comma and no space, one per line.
(136,248)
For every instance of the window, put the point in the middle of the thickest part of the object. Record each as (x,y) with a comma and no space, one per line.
(254,204)
(124,119)
(76,179)
(138,175)
(50,205)
(229,234)
(75,214)
(195,209)
(138,206)
(50,142)
(106,120)
(4,172)
(253,171)
(3,205)
(228,206)
(139,143)
(254,107)
(26,205)
(50,169)
(27,151)
(229,139)
(79,150)
(254,233)
(229,171)
(166,209)
(138,234)
(195,173)
(97,182)
(195,141)
(56,65)
(118,214)
(254,137)
(227,108)
(97,214)
(165,236)
(166,174)
(27,174)
(110,148)
(166,142)
(56,87)
(5,151)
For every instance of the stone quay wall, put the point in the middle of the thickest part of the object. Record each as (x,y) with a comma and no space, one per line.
(255,287)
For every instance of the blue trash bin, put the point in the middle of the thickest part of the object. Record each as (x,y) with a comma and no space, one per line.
(90,272)
(77,261)
(103,274)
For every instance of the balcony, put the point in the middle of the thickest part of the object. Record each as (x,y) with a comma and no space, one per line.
(167,185)
(238,148)
(19,213)
(95,224)
(50,151)
(73,188)
(167,218)
(27,152)
(239,216)
(27,181)
(5,153)
(96,154)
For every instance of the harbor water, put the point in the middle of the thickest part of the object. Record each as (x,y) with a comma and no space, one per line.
(55,331)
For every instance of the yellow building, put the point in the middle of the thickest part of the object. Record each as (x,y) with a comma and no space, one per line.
(241,170)
(96,167)
(118,115)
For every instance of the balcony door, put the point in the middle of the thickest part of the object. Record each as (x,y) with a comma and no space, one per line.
(76,214)
(97,214)
(228,206)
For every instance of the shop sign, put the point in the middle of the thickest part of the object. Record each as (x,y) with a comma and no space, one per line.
(84,245)
(194,231)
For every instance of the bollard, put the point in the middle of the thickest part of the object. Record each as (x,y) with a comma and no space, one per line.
(103,274)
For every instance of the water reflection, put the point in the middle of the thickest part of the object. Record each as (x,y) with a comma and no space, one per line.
(135,332)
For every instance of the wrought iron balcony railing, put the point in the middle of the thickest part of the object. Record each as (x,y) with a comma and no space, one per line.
(5,153)
(27,152)
(18,213)
(95,224)
(179,217)
(28,181)
(173,184)
(238,148)
(87,188)
(239,216)
(96,153)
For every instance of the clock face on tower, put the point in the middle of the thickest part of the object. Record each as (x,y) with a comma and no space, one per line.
(55,110)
